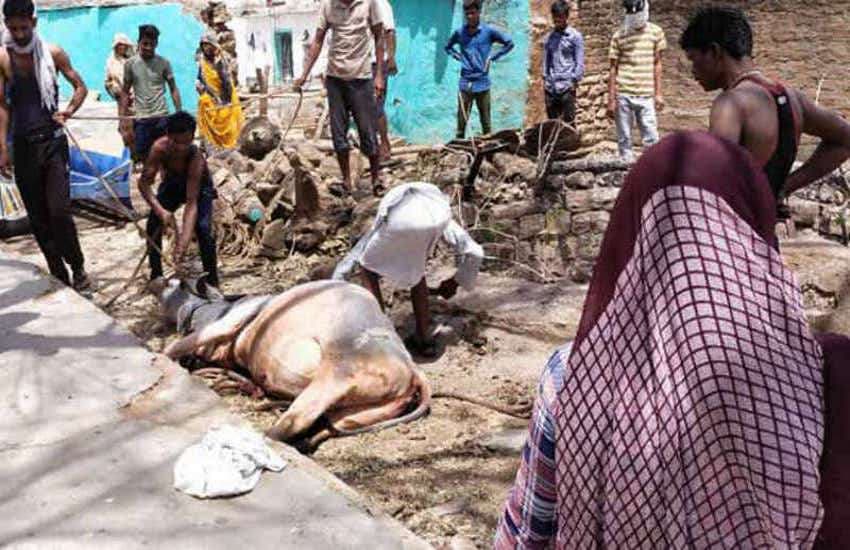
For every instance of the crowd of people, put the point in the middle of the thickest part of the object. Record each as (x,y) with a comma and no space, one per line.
(694,408)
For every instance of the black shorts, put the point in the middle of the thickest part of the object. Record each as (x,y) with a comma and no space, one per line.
(353,98)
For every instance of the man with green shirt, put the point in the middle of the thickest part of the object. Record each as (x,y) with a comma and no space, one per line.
(634,83)
(146,75)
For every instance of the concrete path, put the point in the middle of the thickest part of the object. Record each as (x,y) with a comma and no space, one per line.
(91,424)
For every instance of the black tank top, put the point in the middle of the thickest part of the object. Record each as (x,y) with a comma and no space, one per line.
(781,162)
(29,115)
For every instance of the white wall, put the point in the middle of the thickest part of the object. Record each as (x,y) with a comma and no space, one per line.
(262,23)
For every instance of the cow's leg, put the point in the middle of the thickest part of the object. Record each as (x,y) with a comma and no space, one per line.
(354,418)
(226,327)
(318,397)
(351,418)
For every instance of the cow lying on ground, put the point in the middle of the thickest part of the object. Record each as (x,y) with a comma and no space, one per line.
(325,344)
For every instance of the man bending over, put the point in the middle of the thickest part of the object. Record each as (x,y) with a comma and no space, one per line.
(185,180)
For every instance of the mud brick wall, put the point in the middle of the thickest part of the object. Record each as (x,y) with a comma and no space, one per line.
(806,44)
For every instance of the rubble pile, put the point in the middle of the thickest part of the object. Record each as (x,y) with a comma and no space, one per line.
(536,219)
(824,206)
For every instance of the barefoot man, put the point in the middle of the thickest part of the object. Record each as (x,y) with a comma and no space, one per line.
(29,100)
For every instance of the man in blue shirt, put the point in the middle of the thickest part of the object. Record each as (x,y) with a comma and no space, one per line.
(476,43)
(563,65)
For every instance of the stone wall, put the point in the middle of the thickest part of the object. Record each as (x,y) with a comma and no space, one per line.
(557,232)
(807,44)
(824,207)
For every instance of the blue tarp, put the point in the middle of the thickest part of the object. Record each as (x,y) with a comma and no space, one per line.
(115,170)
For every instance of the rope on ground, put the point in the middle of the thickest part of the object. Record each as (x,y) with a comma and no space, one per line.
(128,282)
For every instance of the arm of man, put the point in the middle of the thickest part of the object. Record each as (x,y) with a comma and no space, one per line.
(612,88)
(614,58)
(831,152)
(125,126)
(659,96)
(312,55)
(727,118)
(454,40)
(63,65)
(660,47)
(5,160)
(190,211)
(578,59)
(153,165)
(168,75)
(505,40)
(380,83)
(392,66)
(468,257)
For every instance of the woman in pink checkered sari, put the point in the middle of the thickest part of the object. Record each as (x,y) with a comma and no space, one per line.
(689,412)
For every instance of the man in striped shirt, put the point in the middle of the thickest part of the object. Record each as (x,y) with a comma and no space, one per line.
(634,83)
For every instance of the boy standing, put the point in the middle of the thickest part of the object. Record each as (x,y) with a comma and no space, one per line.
(146,75)
(28,77)
(476,41)
(634,82)
(563,65)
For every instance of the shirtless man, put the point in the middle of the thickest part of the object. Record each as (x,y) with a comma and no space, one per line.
(185,179)
(28,68)
(762,115)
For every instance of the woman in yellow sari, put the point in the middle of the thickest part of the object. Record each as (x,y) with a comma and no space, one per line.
(220,116)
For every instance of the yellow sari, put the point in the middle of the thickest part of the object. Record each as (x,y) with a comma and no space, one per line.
(220,125)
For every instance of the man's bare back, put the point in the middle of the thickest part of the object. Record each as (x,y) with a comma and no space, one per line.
(748,115)
(718,41)
(174,162)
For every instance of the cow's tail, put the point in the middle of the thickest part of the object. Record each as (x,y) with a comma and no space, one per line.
(420,411)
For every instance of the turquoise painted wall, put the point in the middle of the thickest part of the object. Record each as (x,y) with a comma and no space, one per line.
(86,34)
(422,98)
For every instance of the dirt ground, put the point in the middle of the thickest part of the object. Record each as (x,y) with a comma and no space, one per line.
(434,475)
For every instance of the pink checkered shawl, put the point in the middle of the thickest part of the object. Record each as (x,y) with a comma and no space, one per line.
(692,410)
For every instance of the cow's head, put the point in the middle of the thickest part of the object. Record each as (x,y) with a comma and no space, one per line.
(179,298)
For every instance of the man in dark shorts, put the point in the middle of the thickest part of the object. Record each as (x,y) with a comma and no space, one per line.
(185,179)
(352,90)
(764,116)
(28,67)
(146,75)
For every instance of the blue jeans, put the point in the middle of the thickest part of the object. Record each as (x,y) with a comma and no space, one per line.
(642,109)
(146,132)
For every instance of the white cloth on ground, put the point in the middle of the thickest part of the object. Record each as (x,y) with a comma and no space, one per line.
(44,67)
(410,221)
(228,461)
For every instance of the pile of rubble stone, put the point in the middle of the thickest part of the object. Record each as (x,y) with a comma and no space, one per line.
(282,204)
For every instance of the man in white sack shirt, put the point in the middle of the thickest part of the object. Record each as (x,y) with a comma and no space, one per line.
(410,221)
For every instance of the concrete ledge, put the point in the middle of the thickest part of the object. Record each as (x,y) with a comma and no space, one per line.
(91,423)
